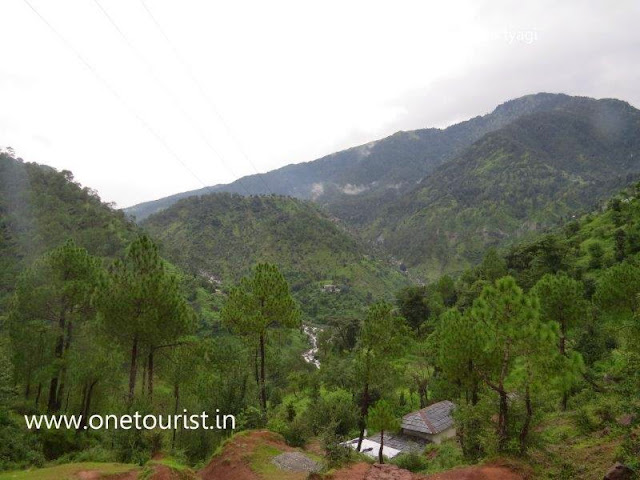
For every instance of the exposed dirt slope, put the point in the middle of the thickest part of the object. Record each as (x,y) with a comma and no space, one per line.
(249,457)
(364,471)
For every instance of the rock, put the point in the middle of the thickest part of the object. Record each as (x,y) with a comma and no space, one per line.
(619,472)
(296,462)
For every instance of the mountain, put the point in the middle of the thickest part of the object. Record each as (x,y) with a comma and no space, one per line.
(40,208)
(517,180)
(222,236)
(356,183)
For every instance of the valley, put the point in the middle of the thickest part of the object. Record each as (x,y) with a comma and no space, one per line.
(493,264)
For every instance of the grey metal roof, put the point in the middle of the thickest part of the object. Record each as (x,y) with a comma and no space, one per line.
(401,442)
(433,419)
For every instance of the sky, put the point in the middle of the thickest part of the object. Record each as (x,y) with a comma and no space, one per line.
(145,98)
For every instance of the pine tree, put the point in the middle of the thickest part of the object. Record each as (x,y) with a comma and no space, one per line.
(514,349)
(259,303)
(51,298)
(562,301)
(380,341)
(141,305)
(382,418)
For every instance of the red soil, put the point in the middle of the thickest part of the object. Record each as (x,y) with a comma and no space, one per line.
(233,464)
(477,473)
(364,471)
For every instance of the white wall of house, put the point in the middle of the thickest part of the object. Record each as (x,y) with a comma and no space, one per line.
(437,438)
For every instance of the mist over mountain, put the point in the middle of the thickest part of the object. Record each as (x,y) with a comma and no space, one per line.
(436,198)
(353,183)
(527,176)
(40,208)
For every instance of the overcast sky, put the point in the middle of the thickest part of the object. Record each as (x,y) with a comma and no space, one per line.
(185,93)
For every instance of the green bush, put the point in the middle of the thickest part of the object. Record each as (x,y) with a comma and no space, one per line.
(414,462)
(297,433)
(336,454)
(19,448)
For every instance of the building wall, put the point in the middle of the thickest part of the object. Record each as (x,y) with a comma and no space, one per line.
(438,438)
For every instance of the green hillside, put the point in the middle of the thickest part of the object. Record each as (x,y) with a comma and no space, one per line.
(40,208)
(355,184)
(514,182)
(221,237)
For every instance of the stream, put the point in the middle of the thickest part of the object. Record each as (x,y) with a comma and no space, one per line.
(312,334)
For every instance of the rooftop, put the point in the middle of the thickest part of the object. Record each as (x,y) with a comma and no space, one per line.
(433,419)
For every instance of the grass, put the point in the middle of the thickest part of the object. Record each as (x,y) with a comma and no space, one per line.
(260,463)
(68,471)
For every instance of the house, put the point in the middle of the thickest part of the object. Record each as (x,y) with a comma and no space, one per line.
(433,423)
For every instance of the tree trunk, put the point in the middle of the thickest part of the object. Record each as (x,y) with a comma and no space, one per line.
(150,373)
(39,391)
(53,389)
(84,397)
(133,370)
(86,408)
(63,370)
(563,352)
(502,421)
(422,392)
(27,390)
(52,404)
(144,377)
(255,364)
(263,387)
(527,421)
(364,411)
(380,456)
(176,396)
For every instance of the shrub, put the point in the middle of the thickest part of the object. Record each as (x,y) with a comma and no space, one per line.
(414,462)
(336,454)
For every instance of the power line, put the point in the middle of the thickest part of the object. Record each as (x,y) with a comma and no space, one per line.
(203,93)
(115,93)
(167,91)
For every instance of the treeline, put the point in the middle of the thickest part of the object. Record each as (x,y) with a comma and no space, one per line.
(546,327)
(81,339)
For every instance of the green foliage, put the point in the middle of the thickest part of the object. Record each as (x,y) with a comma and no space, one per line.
(334,410)
(382,417)
(41,208)
(52,298)
(420,306)
(137,297)
(261,302)
(221,237)
(412,461)
(511,184)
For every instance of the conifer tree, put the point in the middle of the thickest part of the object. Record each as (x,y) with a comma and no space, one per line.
(380,341)
(562,301)
(259,303)
(51,298)
(141,305)
(382,418)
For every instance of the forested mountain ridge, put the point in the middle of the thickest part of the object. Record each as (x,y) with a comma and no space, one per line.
(355,183)
(41,208)
(221,236)
(520,179)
